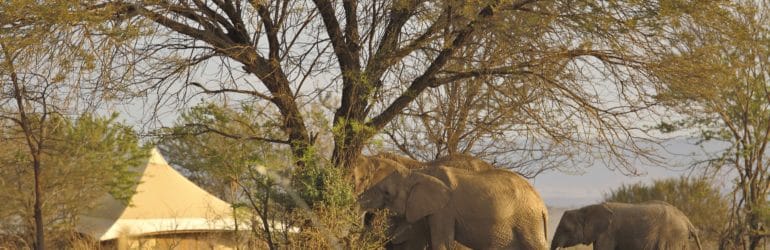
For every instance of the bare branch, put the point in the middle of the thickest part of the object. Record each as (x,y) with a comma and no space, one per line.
(200,129)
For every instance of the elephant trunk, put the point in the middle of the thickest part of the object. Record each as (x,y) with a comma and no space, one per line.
(558,241)
(554,244)
(368,219)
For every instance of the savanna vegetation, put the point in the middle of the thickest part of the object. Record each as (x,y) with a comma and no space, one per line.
(277,98)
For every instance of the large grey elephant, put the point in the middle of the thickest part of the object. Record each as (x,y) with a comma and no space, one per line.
(402,234)
(613,225)
(462,161)
(367,170)
(483,210)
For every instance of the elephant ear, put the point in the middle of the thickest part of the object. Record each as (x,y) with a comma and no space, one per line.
(426,195)
(597,219)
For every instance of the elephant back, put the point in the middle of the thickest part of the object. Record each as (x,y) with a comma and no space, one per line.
(404,161)
(657,220)
(461,161)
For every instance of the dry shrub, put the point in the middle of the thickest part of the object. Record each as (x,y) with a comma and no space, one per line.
(338,228)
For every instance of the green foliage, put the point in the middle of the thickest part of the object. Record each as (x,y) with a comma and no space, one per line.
(319,183)
(113,145)
(213,132)
(218,137)
(697,198)
(238,155)
(83,159)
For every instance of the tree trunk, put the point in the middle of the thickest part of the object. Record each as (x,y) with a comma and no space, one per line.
(39,236)
(754,242)
(348,147)
(35,146)
(350,119)
(754,224)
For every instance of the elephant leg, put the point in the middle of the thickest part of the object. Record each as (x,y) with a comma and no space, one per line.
(442,231)
(604,242)
(411,244)
(408,236)
(527,238)
(416,244)
(457,246)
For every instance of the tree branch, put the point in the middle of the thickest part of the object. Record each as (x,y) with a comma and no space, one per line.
(227,90)
(344,55)
(423,81)
(200,129)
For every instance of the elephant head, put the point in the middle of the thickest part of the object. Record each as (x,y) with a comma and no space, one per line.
(406,193)
(582,226)
(368,170)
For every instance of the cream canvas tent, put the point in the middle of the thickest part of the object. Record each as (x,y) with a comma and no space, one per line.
(165,203)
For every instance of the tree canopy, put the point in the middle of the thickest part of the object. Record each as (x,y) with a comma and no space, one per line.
(375,58)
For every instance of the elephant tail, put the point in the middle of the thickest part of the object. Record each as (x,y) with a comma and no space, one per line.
(697,240)
(694,234)
(545,225)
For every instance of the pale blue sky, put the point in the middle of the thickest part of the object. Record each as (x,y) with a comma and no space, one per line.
(567,190)
(564,190)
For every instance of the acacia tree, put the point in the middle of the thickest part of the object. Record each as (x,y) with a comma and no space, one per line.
(49,65)
(83,159)
(727,101)
(379,56)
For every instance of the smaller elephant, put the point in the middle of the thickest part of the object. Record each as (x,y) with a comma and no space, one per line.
(613,225)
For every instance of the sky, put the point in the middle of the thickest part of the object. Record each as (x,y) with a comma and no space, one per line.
(563,190)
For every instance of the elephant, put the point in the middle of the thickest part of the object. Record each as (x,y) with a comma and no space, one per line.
(371,169)
(614,225)
(463,161)
(482,210)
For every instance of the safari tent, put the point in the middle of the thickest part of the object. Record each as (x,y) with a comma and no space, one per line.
(168,210)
